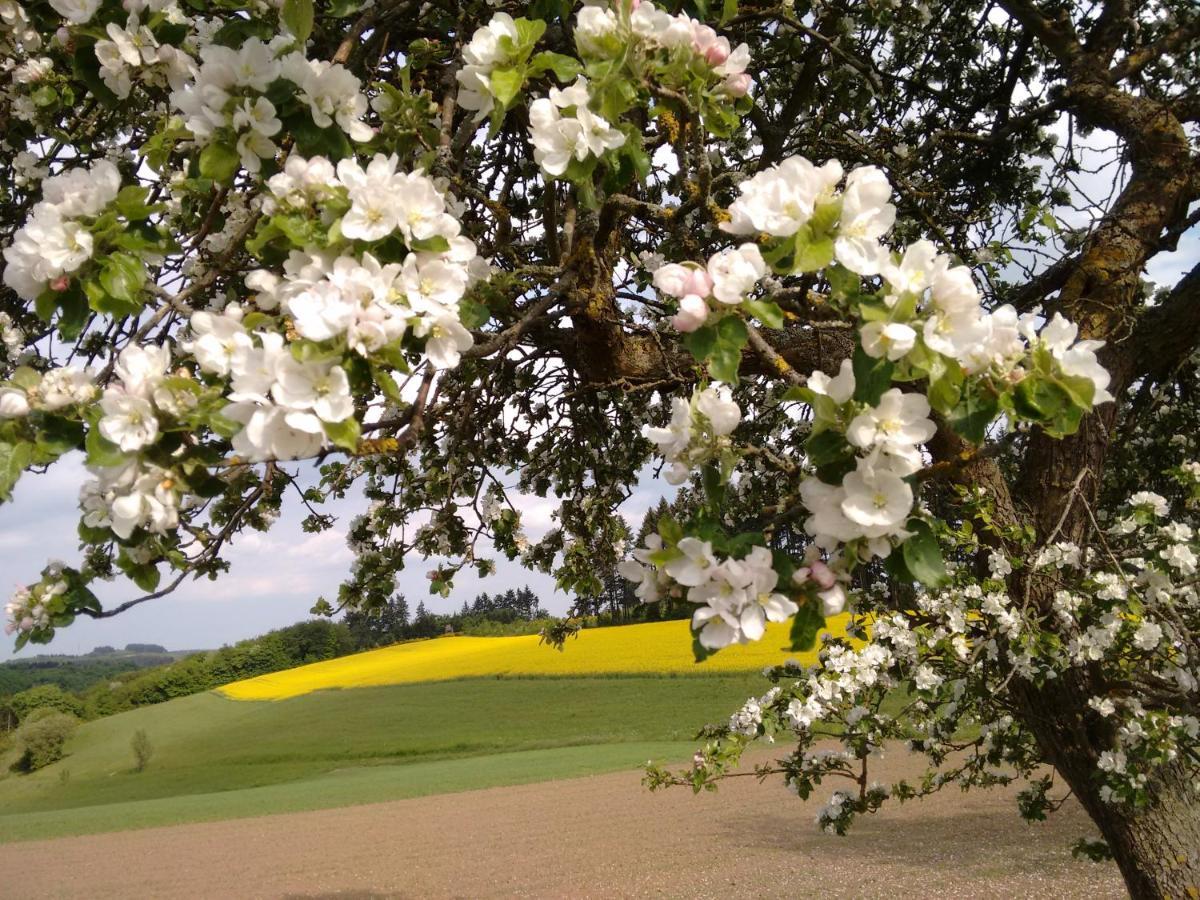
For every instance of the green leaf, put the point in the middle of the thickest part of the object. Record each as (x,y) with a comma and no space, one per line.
(806,625)
(724,361)
(945,384)
(219,162)
(871,376)
(56,437)
(766,311)
(729,11)
(669,530)
(506,84)
(14,459)
(529,32)
(813,255)
(101,451)
(826,447)
(565,68)
(387,384)
(45,96)
(344,434)
(297,15)
(146,577)
(122,277)
(973,413)
(923,555)
(433,244)
(732,331)
(700,342)
(473,314)
(842,281)
(25,377)
(131,202)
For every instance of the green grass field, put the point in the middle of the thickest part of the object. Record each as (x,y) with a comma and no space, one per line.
(216,758)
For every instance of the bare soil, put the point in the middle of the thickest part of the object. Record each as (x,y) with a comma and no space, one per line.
(601,836)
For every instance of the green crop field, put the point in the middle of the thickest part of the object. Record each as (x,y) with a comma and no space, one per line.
(216,758)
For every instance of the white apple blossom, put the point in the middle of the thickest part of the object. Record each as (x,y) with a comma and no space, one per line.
(877,499)
(780,200)
(839,389)
(693,567)
(866,217)
(698,431)
(734,272)
(77,12)
(480,56)
(129,421)
(891,339)
(14,403)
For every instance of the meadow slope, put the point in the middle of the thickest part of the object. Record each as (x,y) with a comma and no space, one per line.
(426,717)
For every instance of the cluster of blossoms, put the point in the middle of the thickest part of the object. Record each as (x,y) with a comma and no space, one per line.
(562,128)
(490,47)
(282,404)
(133,51)
(1131,603)
(31,607)
(368,304)
(135,493)
(602,32)
(698,432)
(56,390)
(55,241)
(567,126)
(728,277)
(924,321)
(873,502)
(735,597)
(17,34)
(927,304)
(226,102)
(338,302)
(12,338)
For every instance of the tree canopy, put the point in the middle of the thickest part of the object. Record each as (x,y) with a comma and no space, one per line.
(867,277)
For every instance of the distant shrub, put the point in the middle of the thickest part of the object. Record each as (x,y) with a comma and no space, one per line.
(142,750)
(45,696)
(41,739)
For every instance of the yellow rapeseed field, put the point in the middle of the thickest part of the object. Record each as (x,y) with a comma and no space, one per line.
(648,649)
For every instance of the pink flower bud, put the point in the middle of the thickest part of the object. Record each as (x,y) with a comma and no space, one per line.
(680,281)
(717,52)
(61,283)
(823,575)
(703,37)
(692,313)
(737,85)
(698,282)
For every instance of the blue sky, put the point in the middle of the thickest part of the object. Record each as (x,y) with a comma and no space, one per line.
(274,579)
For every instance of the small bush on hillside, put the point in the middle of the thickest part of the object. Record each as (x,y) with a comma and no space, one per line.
(45,696)
(41,739)
(142,749)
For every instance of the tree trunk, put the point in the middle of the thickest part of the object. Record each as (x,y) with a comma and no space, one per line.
(1156,848)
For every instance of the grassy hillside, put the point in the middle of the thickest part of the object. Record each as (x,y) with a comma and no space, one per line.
(652,648)
(217,758)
